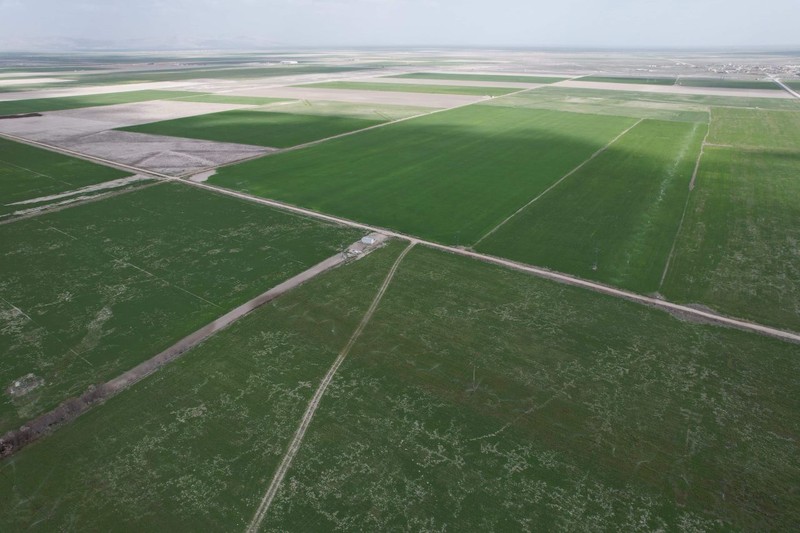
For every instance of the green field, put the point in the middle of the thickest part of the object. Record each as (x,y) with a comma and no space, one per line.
(194,446)
(617,103)
(738,250)
(616,218)
(367,110)
(41,105)
(449,177)
(412,88)
(528,404)
(760,129)
(91,291)
(262,128)
(655,80)
(27,173)
(510,78)
(729,84)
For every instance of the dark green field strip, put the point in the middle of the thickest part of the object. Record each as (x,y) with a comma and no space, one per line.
(227,99)
(27,173)
(655,80)
(448,177)
(738,251)
(107,285)
(41,105)
(484,396)
(599,102)
(615,219)
(263,128)
(793,84)
(756,129)
(194,446)
(478,77)
(412,88)
(729,84)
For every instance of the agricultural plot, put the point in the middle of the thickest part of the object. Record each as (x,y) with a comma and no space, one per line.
(194,446)
(411,88)
(756,129)
(616,218)
(28,174)
(228,99)
(449,177)
(538,406)
(91,291)
(477,77)
(372,111)
(617,103)
(738,250)
(262,128)
(729,84)
(41,105)
(635,80)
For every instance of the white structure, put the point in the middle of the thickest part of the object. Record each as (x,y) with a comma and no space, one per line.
(368,240)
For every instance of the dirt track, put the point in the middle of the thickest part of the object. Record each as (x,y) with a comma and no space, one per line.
(297,440)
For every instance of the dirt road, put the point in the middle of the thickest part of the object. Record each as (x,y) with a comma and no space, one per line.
(313,405)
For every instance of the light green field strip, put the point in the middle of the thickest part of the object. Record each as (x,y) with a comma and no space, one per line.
(478,77)
(738,250)
(227,99)
(632,79)
(262,128)
(729,84)
(448,177)
(615,219)
(685,108)
(761,129)
(411,88)
(28,173)
(483,396)
(91,291)
(193,446)
(74,102)
(372,111)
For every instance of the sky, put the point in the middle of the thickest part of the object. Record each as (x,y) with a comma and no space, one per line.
(153,24)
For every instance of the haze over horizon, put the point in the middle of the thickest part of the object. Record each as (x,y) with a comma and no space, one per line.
(181,24)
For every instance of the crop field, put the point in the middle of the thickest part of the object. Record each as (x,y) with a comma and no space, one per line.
(386,112)
(262,128)
(537,406)
(28,173)
(616,218)
(775,131)
(729,84)
(634,80)
(477,77)
(738,251)
(91,291)
(194,446)
(449,177)
(412,88)
(615,103)
(74,102)
(228,99)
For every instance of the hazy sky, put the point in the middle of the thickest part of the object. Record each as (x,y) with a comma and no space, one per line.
(604,23)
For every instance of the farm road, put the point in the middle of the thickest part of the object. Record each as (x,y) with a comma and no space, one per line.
(297,440)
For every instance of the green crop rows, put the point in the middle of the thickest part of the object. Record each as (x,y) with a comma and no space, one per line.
(412,88)
(510,78)
(74,102)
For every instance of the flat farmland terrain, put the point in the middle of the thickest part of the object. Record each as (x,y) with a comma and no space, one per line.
(449,177)
(28,173)
(194,446)
(365,110)
(635,80)
(411,88)
(756,129)
(477,77)
(91,291)
(41,105)
(228,99)
(485,398)
(262,128)
(729,83)
(738,251)
(616,218)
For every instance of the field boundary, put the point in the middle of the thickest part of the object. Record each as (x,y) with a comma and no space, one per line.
(554,185)
(313,405)
(67,411)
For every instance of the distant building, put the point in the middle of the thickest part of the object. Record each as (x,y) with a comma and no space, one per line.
(368,240)
(288,62)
